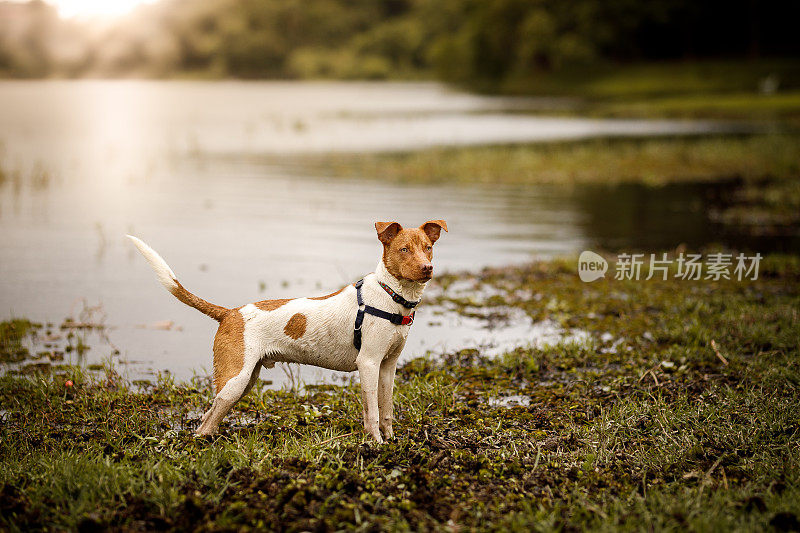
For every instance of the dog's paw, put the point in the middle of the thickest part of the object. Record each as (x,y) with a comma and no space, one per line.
(208,437)
(375,433)
(204,431)
(387,431)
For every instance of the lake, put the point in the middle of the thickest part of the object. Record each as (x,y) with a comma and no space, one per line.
(86,162)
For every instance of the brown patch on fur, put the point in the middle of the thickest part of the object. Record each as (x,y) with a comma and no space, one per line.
(296,326)
(271,305)
(228,348)
(331,295)
(217,312)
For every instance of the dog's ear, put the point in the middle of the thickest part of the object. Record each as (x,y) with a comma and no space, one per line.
(433,228)
(387,231)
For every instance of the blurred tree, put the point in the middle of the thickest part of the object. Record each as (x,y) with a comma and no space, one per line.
(469,41)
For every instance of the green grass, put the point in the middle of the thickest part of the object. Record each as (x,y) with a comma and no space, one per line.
(658,79)
(716,89)
(602,161)
(12,333)
(778,107)
(686,419)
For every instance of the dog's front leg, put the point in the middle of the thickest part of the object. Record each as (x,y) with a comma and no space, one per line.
(385,394)
(368,369)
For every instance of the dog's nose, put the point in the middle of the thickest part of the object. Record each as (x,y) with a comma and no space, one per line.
(427,269)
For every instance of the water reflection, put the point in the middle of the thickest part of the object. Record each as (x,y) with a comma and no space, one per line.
(87,162)
(109,122)
(638,217)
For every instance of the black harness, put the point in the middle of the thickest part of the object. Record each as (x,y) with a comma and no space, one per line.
(395,318)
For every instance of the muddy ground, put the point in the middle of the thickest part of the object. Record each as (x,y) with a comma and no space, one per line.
(676,409)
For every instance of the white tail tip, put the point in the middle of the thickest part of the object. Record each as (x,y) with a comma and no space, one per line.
(165,274)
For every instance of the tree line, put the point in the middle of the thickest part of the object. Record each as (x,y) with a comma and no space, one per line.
(465,41)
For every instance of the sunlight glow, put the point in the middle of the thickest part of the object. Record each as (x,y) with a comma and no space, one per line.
(95,8)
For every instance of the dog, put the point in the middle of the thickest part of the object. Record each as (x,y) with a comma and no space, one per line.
(361,327)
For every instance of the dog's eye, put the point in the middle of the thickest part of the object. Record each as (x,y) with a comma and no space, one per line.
(430,248)
(404,249)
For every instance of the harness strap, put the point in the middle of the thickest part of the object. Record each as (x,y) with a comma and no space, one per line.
(359,315)
(395,318)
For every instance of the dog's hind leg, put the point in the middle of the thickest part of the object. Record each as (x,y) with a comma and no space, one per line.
(231,393)
(235,371)
(253,379)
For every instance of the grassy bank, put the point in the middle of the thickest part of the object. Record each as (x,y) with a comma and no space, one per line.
(597,161)
(751,90)
(679,412)
(608,80)
(780,108)
(761,172)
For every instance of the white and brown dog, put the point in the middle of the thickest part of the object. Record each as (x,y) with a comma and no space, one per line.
(359,327)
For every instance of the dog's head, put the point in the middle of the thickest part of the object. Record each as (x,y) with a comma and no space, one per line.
(408,252)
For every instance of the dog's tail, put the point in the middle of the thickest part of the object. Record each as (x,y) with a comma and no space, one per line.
(170,282)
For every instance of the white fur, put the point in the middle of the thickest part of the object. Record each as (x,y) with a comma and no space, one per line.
(326,342)
(165,274)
